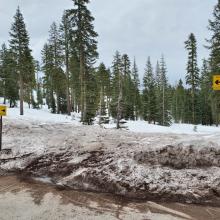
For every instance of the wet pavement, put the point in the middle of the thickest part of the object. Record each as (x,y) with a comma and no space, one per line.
(28,199)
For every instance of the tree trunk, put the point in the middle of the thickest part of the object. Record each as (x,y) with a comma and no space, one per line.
(82,87)
(163,105)
(21,95)
(119,107)
(4,93)
(100,111)
(67,73)
(84,94)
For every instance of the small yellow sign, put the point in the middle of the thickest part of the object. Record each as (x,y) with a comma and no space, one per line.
(216,82)
(3,110)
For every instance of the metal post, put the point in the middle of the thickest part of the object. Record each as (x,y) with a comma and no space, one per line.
(0,133)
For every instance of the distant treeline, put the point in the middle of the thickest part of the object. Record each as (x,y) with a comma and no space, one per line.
(71,82)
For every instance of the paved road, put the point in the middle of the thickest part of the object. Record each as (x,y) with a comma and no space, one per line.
(28,200)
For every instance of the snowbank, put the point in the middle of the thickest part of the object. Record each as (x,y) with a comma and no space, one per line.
(177,167)
(151,162)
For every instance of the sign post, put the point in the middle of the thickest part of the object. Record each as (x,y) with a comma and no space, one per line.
(3,112)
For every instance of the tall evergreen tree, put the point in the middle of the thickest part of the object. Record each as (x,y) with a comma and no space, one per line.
(214,47)
(136,91)
(127,88)
(58,76)
(75,81)
(103,83)
(178,106)
(19,45)
(47,68)
(84,39)
(163,98)
(192,76)
(38,85)
(117,102)
(149,95)
(66,29)
(8,77)
(204,95)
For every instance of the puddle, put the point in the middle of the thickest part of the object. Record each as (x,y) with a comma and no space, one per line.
(36,200)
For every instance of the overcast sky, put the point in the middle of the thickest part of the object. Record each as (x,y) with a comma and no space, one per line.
(140,28)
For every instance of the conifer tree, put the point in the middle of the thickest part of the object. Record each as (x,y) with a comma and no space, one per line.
(127,88)
(8,77)
(19,45)
(157,75)
(192,76)
(117,102)
(47,68)
(178,102)
(163,98)
(204,95)
(92,97)
(58,77)
(103,81)
(75,80)
(187,116)
(214,47)
(65,37)
(136,91)
(149,95)
(84,39)
(38,86)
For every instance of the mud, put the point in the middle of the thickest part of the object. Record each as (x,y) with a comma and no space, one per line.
(30,199)
(181,157)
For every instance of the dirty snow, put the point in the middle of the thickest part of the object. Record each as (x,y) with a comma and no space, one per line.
(157,163)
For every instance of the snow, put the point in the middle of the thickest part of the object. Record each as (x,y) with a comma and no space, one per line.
(147,161)
(45,116)
(143,126)
(42,115)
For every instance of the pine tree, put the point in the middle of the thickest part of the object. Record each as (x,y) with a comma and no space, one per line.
(38,86)
(192,76)
(136,91)
(19,45)
(187,116)
(66,29)
(117,102)
(157,75)
(75,81)
(127,88)
(103,81)
(214,47)
(149,95)
(84,39)
(47,68)
(204,95)
(8,77)
(178,102)
(58,78)
(163,98)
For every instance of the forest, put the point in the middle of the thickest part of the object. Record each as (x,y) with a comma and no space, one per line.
(68,78)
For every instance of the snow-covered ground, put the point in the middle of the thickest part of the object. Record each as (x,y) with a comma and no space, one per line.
(149,161)
(44,116)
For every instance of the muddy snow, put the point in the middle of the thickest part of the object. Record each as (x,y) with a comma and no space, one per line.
(30,199)
(151,166)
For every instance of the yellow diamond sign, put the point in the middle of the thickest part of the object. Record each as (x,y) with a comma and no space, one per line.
(3,110)
(216,82)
